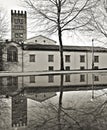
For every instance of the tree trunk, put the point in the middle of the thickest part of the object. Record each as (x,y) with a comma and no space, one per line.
(61,50)
(60,37)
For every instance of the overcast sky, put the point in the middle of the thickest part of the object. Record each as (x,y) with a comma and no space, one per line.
(9,4)
(75,39)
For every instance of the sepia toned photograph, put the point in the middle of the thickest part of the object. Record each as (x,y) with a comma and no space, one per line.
(53,64)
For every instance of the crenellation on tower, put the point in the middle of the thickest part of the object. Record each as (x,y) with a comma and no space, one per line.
(14,12)
(18,25)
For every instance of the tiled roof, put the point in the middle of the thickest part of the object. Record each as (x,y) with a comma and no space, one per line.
(40,47)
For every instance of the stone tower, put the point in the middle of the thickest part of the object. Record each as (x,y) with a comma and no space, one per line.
(18,26)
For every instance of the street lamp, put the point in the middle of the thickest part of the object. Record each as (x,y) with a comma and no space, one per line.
(92,54)
(92,69)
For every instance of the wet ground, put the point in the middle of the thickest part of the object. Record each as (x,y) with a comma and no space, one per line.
(65,103)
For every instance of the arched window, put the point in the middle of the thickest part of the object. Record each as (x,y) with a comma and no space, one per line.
(12,54)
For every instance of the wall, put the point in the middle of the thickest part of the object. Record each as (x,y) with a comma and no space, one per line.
(12,66)
(40,40)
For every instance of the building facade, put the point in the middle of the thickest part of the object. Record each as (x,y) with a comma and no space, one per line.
(34,57)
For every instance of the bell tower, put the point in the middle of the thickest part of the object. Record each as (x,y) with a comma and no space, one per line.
(18,26)
(19,111)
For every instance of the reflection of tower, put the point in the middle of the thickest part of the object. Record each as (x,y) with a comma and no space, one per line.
(18,26)
(1,59)
(19,111)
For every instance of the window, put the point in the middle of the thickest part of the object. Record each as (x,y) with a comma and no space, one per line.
(21,35)
(21,27)
(82,58)
(32,58)
(50,78)
(96,67)
(50,58)
(96,78)
(82,78)
(1,59)
(51,68)
(12,81)
(1,81)
(9,81)
(67,67)
(16,21)
(12,54)
(82,67)
(67,58)
(15,80)
(21,21)
(32,79)
(96,58)
(16,34)
(67,78)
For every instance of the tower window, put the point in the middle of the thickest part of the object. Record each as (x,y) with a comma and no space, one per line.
(15,21)
(21,35)
(21,21)
(16,35)
(12,54)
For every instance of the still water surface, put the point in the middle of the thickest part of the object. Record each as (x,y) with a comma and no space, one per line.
(57,105)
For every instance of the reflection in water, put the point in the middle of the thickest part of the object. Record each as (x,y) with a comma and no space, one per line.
(59,107)
(19,110)
(60,102)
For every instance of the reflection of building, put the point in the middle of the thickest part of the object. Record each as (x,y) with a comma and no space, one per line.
(19,106)
(19,111)
(40,97)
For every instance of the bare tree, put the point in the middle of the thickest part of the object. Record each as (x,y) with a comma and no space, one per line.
(58,16)
(3,24)
(97,26)
(3,33)
(78,115)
